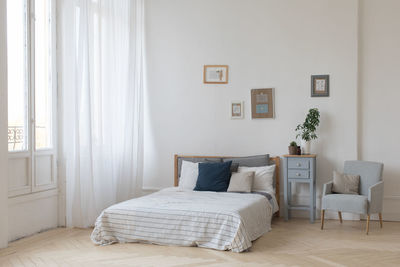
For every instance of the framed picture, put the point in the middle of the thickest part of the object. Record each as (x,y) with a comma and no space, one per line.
(262,103)
(236,110)
(319,85)
(215,74)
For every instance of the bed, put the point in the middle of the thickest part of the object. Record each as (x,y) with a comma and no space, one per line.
(172,216)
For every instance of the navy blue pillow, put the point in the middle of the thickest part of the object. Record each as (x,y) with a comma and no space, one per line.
(213,176)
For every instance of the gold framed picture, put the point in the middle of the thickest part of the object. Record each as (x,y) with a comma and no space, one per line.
(262,103)
(236,110)
(215,74)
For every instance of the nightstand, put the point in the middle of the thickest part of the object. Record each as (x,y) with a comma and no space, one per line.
(299,169)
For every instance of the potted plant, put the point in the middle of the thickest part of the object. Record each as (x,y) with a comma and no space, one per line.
(293,148)
(306,130)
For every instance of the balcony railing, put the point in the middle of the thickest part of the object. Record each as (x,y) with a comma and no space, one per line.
(15,137)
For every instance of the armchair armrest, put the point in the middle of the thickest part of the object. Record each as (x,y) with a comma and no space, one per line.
(375,198)
(327,189)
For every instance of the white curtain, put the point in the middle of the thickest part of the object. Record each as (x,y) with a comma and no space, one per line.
(100,65)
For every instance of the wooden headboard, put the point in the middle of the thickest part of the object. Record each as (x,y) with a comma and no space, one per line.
(277,161)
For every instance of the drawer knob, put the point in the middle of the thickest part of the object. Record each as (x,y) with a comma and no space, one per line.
(298,174)
(298,164)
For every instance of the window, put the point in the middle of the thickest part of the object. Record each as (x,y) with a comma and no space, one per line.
(31,97)
(43,77)
(17,75)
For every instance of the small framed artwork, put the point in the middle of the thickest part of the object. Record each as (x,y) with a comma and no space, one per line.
(319,85)
(236,110)
(262,103)
(215,74)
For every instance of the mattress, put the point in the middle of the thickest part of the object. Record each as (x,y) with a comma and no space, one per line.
(222,221)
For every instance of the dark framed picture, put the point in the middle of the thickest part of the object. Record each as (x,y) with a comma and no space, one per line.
(262,103)
(319,85)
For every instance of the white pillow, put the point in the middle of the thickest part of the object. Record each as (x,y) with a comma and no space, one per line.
(263,179)
(189,174)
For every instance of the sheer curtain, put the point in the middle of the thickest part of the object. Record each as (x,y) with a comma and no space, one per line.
(100,44)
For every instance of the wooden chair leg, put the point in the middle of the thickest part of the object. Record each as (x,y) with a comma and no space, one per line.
(380,219)
(340,216)
(322,219)
(368,217)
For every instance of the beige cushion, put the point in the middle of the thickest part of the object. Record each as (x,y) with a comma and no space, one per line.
(241,182)
(345,183)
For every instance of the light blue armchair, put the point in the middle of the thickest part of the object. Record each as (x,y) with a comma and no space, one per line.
(370,199)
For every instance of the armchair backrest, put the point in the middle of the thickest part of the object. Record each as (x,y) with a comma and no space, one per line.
(370,173)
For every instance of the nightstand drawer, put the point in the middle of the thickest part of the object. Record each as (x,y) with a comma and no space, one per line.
(301,174)
(298,163)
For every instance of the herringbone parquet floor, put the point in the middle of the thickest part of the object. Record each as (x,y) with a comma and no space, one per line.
(293,243)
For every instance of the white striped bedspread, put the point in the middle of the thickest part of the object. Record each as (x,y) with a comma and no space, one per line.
(222,221)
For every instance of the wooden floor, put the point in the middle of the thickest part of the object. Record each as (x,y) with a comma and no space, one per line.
(293,243)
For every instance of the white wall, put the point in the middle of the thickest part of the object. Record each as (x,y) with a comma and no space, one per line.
(32,213)
(380,94)
(3,128)
(266,43)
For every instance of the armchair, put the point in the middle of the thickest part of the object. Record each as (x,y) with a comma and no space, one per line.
(370,199)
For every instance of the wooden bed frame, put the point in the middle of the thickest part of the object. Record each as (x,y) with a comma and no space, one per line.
(277,161)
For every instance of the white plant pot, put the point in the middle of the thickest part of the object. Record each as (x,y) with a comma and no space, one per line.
(305,147)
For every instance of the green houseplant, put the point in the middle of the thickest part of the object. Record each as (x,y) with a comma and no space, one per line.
(293,148)
(306,130)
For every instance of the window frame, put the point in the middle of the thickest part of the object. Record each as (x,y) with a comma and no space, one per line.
(32,154)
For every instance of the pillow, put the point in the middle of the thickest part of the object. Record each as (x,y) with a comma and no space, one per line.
(345,183)
(251,161)
(194,160)
(234,167)
(189,174)
(213,176)
(241,182)
(263,178)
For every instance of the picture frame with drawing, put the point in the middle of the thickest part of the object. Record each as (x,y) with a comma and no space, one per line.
(320,85)
(215,74)
(237,110)
(262,103)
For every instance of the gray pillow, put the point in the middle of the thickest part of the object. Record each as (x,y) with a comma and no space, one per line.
(195,160)
(251,161)
(345,183)
(241,182)
(234,167)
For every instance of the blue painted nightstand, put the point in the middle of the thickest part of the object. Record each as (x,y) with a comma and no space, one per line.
(299,169)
